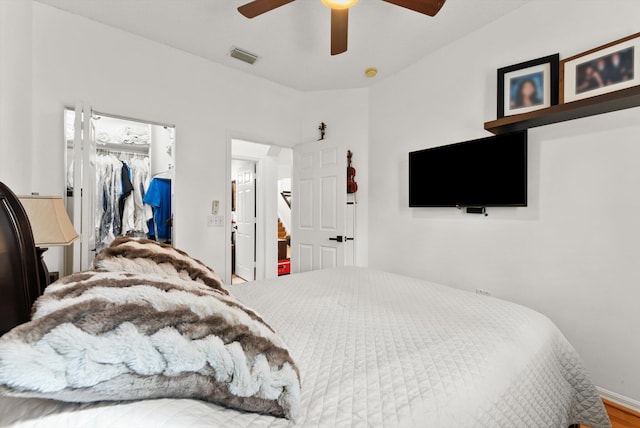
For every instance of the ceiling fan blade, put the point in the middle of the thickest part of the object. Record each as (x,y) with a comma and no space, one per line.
(427,7)
(339,30)
(258,7)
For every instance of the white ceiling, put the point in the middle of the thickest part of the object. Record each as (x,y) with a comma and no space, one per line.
(293,40)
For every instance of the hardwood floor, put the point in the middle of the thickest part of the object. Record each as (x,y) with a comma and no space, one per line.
(620,416)
(235,279)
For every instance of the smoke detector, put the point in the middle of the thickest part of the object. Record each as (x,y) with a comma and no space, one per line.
(243,55)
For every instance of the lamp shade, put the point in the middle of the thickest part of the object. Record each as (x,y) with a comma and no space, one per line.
(49,220)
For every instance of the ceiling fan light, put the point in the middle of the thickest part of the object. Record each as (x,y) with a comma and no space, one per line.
(339,4)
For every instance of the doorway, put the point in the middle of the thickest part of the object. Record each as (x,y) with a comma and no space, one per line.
(244,216)
(260,210)
(119,173)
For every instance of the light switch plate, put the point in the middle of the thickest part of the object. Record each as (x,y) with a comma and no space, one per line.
(215,221)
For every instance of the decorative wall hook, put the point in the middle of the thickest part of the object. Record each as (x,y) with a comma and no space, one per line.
(322,128)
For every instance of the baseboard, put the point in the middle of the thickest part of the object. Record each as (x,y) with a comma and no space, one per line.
(627,402)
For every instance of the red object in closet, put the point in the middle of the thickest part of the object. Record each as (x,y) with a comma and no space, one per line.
(284,267)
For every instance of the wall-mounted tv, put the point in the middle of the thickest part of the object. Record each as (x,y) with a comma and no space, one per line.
(487,172)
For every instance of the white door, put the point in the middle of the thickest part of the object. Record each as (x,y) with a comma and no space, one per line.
(84,194)
(246,222)
(318,206)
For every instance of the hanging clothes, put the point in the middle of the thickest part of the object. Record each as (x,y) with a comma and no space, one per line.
(136,213)
(127,189)
(158,195)
(108,190)
(120,182)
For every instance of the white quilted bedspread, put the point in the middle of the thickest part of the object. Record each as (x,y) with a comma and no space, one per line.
(381,350)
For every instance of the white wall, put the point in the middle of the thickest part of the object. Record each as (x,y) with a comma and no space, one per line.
(55,59)
(120,73)
(15,95)
(573,252)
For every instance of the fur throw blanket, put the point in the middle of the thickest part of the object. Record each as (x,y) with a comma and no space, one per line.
(150,323)
(146,256)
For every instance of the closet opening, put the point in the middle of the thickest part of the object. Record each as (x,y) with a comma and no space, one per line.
(119,181)
(260,210)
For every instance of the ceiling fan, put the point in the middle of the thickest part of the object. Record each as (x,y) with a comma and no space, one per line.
(340,14)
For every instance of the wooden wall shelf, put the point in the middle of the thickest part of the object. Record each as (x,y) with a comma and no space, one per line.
(612,101)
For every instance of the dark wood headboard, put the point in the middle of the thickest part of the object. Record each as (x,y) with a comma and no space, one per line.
(19,283)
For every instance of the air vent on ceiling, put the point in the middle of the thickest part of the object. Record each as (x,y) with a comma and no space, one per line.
(243,55)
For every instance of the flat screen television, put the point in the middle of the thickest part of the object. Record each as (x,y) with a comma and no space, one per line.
(487,172)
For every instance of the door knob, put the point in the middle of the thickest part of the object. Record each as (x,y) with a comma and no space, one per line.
(337,238)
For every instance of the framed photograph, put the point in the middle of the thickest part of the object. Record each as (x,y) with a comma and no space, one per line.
(607,68)
(528,86)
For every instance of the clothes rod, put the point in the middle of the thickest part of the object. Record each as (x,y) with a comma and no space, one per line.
(129,148)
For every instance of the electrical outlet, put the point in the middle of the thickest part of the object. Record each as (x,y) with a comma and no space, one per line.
(482,292)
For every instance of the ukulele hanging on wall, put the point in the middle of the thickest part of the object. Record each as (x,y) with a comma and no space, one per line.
(352,186)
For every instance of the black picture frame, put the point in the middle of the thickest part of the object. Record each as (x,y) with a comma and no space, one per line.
(540,74)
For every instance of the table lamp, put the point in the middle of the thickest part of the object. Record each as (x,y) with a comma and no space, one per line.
(51,227)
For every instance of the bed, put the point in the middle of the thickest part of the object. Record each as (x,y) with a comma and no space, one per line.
(379,349)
